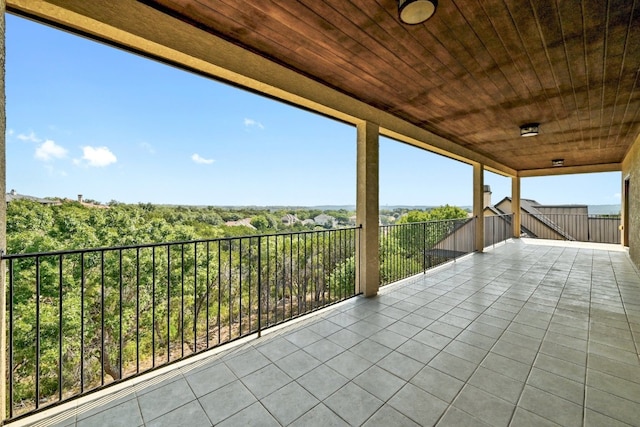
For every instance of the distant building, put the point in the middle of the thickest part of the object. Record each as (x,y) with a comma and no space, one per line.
(325,220)
(13,195)
(87,203)
(246,222)
(387,219)
(289,220)
(557,222)
(545,221)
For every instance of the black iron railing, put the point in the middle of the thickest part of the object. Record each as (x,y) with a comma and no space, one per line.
(572,227)
(497,228)
(409,249)
(80,320)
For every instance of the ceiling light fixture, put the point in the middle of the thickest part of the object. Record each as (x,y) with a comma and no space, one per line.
(530,129)
(557,162)
(416,11)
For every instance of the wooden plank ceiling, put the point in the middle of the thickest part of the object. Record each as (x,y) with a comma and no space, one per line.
(473,73)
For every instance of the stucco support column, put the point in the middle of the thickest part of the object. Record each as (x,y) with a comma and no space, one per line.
(478,204)
(367,210)
(624,211)
(515,206)
(3,216)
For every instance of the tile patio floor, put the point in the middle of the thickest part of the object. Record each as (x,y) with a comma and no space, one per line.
(526,334)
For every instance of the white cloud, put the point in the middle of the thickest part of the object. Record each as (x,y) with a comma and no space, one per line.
(49,150)
(97,156)
(252,123)
(617,196)
(197,158)
(31,137)
(9,132)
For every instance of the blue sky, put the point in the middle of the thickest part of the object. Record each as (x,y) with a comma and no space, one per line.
(84,118)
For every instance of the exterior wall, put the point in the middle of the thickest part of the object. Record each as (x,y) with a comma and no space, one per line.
(505,206)
(631,170)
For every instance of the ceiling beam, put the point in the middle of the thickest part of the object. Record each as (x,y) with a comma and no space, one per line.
(566,170)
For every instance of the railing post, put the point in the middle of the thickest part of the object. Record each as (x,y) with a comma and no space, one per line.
(259,286)
(60,328)
(357,253)
(37,330)
(455,246)
(493,232)
(424,247)
(2,261)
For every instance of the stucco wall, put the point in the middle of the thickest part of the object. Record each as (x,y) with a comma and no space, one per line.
(631,169)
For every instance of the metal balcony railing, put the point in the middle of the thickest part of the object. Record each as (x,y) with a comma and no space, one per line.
(80,320)
(572,227)
(497,228)
(409,249)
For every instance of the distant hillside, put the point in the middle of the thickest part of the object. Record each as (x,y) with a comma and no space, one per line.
(593,209)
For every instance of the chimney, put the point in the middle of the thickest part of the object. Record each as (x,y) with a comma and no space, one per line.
(487,196)
(80,198)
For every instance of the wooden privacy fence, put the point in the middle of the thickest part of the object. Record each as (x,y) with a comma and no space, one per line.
(581,228)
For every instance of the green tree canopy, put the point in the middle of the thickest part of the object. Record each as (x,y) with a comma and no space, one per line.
(260,222)
(435,214)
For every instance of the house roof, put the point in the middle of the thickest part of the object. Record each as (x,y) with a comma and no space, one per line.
(245,222)
(462,83)
(494,209)
(507,218)
(12,195)
(527,205)
(289,218)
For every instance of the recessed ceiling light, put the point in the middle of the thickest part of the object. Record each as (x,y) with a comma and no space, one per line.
(557,162)
(416,11)
(530,129)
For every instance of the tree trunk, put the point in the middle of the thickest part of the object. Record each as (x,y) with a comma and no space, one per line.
(109,369)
